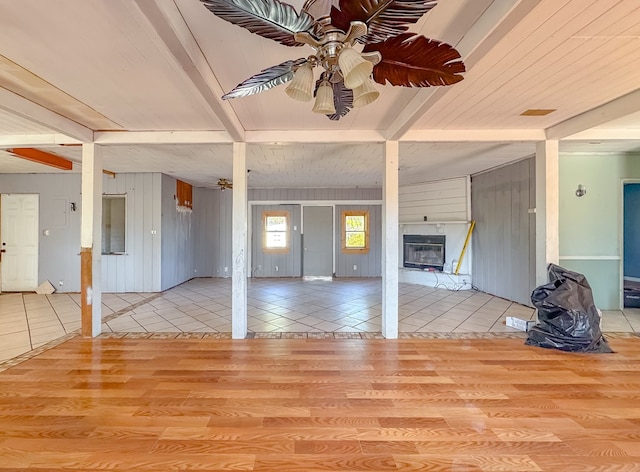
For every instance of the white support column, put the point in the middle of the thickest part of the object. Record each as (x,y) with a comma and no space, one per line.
(390,241)
(91,241)
(239,243)
(547,208)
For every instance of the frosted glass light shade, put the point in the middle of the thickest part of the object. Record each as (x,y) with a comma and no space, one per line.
(365,94)
(324,100)
(301,86)
(355,69)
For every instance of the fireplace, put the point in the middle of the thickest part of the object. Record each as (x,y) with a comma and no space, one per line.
(424,251)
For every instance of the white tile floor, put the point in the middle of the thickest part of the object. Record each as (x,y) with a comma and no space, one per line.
(28,321)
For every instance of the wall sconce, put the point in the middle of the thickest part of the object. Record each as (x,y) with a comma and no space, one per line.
(581,191)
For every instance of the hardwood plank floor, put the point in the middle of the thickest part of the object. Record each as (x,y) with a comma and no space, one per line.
(321,404)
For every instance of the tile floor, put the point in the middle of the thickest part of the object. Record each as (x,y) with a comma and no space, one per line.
(29,321)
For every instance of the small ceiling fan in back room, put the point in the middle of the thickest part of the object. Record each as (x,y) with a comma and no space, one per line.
(224,184)
(334,29)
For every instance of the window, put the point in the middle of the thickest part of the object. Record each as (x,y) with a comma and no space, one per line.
(355,232)
(275,226)
(114,211)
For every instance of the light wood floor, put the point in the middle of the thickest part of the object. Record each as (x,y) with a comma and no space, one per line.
(315,405)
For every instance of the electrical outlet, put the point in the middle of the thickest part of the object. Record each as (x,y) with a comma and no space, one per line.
(259,267)
(226,269)
(276,268)
(355,267)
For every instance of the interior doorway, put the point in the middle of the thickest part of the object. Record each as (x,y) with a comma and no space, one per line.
(19,242)
(631,245)
(317,241)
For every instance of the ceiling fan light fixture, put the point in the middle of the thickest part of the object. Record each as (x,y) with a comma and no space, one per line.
(301,86)
(324,99)
(365,94)
(355,69)
(334,29)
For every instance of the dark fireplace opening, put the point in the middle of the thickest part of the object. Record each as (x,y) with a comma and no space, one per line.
(424,251)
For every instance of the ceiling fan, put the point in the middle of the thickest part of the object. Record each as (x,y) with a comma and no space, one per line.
(332,28)
(224,184)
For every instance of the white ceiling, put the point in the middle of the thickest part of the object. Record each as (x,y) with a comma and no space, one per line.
(145,77)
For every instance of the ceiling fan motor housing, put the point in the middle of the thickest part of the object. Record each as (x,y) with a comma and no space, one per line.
(320,10)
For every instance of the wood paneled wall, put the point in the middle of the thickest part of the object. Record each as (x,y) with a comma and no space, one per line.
(139,269)
(504,237)
(177,236)
(444,200)
(367,265)
(264,264)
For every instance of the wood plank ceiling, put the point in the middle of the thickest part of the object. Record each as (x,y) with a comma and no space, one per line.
(74,69)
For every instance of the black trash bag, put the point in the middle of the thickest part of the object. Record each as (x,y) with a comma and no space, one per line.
(567,316)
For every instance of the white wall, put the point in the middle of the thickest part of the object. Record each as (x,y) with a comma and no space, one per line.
(59,259)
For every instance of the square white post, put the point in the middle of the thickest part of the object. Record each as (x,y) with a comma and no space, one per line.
(390,241)
(547,208)
(91,241)
(239,243)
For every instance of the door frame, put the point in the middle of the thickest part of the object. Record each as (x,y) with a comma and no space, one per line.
(621,232)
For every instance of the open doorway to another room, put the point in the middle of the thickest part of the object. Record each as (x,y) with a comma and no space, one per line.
(631,245)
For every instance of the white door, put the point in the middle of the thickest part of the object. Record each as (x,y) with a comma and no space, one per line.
(19,242)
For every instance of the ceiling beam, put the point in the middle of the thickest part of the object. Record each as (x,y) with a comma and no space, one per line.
(314,136)
(27,110)
(615,109)
(35,140)
(606,134)
(474,135)
(42,157)
(496,22)
(162,137)
(167,26)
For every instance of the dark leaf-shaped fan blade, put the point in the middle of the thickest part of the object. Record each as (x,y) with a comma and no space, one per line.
(265,80)
(415,61)
(342,99)
(269,18)
(384,18)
